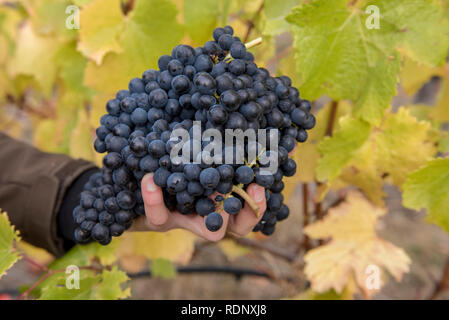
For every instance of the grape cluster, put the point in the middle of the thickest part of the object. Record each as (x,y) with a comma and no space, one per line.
(220,86)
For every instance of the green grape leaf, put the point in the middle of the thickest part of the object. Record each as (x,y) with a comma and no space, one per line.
(48,17)
(275,13)
(339,150)
(428,188)
(101,23)
(106,285)
(71,69)
(339,56)
(151,31)
(163,268)
(200,19)
(111,285)
(8,256)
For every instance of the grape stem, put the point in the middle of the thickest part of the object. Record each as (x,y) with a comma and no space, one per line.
(248,45)
(253,43)
(239,190)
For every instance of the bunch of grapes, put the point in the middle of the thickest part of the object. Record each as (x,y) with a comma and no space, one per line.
(219,86)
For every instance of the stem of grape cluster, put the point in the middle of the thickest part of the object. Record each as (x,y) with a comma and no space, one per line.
(248,45)
(239,190)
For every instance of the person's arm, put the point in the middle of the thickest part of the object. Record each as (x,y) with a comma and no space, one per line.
(33,188)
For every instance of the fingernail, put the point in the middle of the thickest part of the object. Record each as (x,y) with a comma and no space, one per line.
(150,185)
(259,194)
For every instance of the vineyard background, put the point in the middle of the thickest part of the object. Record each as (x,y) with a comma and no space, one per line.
(378,155)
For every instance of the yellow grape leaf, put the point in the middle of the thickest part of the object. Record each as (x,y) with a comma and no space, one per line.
(34,56)
(47,135)
(346,294)
(382,154)
(8,235)
(81,140)
(101,23)
(428,188)
(414,75)
(231,249)
(38,254)
(175,245)
(353,250)
(98,108)
(150,31)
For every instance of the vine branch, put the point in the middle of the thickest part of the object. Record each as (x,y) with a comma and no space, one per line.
(443,283)
(289,256)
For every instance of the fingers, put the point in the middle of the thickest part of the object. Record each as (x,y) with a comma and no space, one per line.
(244,222)
(155,209)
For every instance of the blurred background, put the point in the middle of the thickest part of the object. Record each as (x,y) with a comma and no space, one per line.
(60,61)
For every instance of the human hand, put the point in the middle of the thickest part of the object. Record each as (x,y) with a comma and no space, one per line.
(159,218)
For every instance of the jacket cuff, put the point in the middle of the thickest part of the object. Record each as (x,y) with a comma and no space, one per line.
(46,207)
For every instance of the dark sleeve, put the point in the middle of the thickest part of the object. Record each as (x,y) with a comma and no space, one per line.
(66,224)
(33,185)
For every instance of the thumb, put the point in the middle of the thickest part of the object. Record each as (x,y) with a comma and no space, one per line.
(155,209)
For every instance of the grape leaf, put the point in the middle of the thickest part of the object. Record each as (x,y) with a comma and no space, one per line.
(81,139)
(8,256)
(428,188)
(338,56)
(35,56)
(150,31)
(232,250)
(104,286)
(338,150)
(414,75)
(353,247)
(163,268)
(48,18)
(200,19)
(275,13)
(174,245)
(440,112)
(307,154)
(101,23)
(370,160)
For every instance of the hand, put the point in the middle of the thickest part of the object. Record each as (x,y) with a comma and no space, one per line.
(159,218)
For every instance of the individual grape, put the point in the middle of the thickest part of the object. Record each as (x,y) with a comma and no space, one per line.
(283,213)
(226,172)
(209,178)
(116,229)
(204,206)
(264,178)
(244,175)
(111,205)
(126,200)
(161,176)
(195,188)
(192,171)
(156,148)
(177,182)
(106,218)
(238,50)
(100,232)
(232,205)
(214,221)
